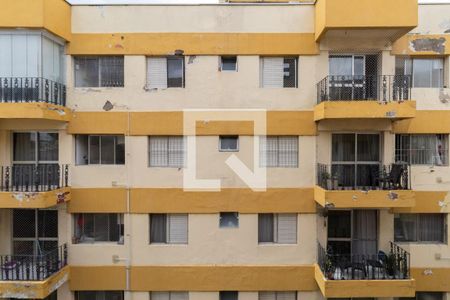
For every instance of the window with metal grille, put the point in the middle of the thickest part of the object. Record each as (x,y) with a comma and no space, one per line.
(425,72)
(277,296)
(99,71)
(98,227)
(278,151)
(169,296)
(279,72)
(99,295)
(99,149)
(169,228)
(422,149)
(165,72)
(424,296)
(277,228)
(166,151)
(430,228)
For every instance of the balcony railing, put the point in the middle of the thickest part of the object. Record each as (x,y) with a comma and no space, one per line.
(382,266)
(33,178)
(32,267)
(32,89)
(382,88)
(344,176)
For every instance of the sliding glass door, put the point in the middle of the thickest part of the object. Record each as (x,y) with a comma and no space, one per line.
(356,159)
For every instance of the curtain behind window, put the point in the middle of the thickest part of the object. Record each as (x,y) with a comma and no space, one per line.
(365,232)
(265,228)
(431,228)
(24,146)
(158,230)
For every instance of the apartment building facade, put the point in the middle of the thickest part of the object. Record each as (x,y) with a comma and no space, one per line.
(237,151)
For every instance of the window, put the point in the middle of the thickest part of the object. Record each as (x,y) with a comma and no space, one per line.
(91,228)
(169,228)
(35,147)
(277,296)
(278,151)
(277,228)
(99,71)
(99,295)
(425,72)
(279,72)
(422,149)
(424,296)
(420,228)
(169,296)
(166,151)
(100,149)
(229,143)
(165,72)
(229,220)
(228,295)
(228,63)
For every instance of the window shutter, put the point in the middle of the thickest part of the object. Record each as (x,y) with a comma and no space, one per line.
(178,228)
(287,228)
(268,148)
(179,296)
(285,296)
(266,296)
(158,151)
(160,296)
(157,73)
(176,152)
(272,72)
(288,151)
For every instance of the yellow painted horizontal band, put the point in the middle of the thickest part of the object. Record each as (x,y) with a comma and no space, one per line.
(223,278)
(364,110)
(194,44)
(438,280)
(427,202)
(34,289)
(34,199)
(97,278)
(98,200)
(363,288)
(172,200)
(34,110)
(422,44)
(171,123)
(53,15)
(363,199)
(425,121)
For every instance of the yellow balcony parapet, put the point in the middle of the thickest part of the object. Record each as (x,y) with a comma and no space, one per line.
(363,288)
(35,110)
(34,289)
(52,15)
(34,199)
(389,18)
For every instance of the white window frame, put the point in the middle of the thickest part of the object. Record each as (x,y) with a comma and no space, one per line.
(224,226)
(221,63)
(167,58)
(167,150)
(98,58)
(99,149)
(276,229)
(263,155)
(228,150)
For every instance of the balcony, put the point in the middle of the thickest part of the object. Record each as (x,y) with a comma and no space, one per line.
(33,276)
(360,185)
(34,186)
(365,275)
(381,20)
(32,98)
(364,97)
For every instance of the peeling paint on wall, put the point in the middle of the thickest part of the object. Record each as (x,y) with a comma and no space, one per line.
(436,45)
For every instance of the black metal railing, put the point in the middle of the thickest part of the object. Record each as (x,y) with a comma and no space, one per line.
(342,176)
(383,88)
(32,89)
(33,178)
(32,267)
(380,266)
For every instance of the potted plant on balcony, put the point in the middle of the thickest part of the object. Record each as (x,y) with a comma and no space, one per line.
(327,181)
(391,265)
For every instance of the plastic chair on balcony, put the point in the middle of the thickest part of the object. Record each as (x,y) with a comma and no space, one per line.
(378,264)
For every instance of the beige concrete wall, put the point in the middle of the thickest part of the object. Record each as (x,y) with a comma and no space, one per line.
(205,87)
(193,18)
(210,165)
(433,19)
(431,98)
